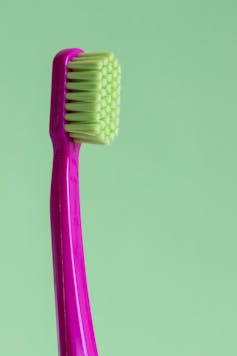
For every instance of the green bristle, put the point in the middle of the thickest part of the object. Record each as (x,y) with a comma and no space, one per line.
(85,75)
(86,85)
(78,106)
(87,138)
(83,96)
(90,128)
(93,95)
(82,116)
(85,64)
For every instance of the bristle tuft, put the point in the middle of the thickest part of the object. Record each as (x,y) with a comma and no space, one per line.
(92,99)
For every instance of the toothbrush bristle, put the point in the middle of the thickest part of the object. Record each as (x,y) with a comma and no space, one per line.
(92,99)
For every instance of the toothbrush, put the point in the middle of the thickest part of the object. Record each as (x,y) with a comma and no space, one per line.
(84,108)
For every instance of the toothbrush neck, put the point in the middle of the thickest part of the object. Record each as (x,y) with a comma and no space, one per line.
(70,148)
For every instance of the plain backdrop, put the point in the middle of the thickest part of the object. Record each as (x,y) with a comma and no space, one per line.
(159,205)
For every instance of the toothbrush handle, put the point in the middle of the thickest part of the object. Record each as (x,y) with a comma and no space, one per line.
(75,328)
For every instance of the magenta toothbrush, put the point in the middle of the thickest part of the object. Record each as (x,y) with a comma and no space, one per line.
(84,108)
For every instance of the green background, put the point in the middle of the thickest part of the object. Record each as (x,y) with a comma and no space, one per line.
(159,205)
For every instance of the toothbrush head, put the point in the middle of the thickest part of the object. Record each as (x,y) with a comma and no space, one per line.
(85,97)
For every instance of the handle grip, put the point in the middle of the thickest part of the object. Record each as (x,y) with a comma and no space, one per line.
(74,321)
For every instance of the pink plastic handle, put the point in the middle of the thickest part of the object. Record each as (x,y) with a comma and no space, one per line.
(74,321)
